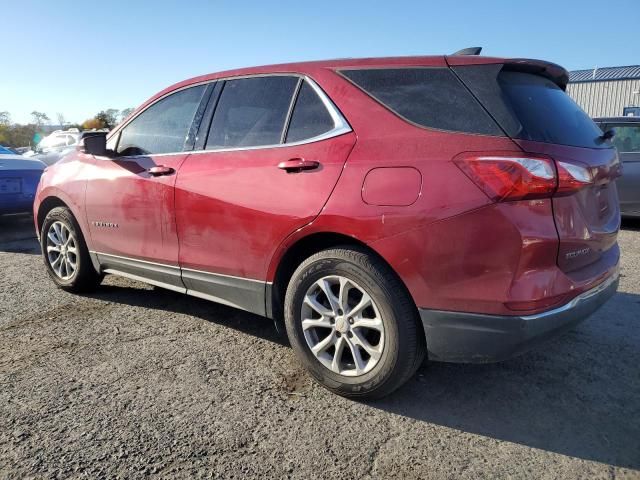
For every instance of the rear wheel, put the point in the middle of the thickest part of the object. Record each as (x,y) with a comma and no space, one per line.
(65,252)
(352,323)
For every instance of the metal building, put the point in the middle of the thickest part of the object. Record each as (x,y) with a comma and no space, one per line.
(607,92)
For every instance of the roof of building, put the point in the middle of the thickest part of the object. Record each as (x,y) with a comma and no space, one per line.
(605,73)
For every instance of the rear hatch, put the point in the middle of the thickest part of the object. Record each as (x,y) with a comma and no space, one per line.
(527,100)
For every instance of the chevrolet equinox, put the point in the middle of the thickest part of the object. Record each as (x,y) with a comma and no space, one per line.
(460,207)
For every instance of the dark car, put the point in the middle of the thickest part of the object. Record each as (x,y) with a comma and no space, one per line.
(627,141)
(458,207)
(19,177)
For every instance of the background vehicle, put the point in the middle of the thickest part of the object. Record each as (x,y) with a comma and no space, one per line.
(59,143)
(19,178)
(459,205)
(7,151)
(627,141)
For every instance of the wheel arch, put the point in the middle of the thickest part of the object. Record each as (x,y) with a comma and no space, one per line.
(46,205)
(300,250)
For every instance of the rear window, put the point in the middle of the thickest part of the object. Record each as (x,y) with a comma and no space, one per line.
(531,107)
(427,97)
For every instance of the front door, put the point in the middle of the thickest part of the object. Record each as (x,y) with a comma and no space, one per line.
(273,154)
(130,198)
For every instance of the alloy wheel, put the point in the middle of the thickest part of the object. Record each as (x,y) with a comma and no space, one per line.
(342,326)
(62,250)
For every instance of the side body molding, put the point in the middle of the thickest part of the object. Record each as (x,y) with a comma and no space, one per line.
(243,293)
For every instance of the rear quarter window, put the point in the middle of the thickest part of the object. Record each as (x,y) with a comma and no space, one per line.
(427,97)
(310,117)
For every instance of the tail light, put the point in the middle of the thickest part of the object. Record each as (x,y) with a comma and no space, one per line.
(506,178)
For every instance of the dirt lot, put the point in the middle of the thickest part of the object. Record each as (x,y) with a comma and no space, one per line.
(133,380)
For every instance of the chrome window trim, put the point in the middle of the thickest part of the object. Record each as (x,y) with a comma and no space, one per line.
(341,126)
(292,104)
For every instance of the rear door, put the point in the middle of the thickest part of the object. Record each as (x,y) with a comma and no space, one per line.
(273,153)
(130,196)
(627,141)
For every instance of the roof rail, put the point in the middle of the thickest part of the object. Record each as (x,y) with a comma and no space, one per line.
(469,51)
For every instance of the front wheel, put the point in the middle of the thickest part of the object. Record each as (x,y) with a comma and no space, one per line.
(352,323)
(65,252)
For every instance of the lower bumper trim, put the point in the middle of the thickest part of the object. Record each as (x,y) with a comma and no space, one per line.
(480,338)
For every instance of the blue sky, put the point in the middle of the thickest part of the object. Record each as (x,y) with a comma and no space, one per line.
(78,58)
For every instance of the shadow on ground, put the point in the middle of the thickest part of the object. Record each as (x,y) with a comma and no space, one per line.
(17,234)
(166,300)
(573,396)
(576,395)
(630,224)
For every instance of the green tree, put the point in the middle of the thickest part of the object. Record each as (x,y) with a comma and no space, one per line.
(39,118)
(106,118)
(61,120)
(124,113)
(5,118)
(112,114)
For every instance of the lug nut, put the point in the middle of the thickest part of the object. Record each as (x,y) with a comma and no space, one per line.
(349,334)
(332,320)
(340,312)
(338,334)
(351,320)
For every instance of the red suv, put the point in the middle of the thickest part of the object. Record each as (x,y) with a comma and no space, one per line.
(458,207)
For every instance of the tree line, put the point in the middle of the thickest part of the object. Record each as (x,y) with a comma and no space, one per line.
(26,135)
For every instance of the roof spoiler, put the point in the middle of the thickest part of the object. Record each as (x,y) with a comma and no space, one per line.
(552,71)
(469,51)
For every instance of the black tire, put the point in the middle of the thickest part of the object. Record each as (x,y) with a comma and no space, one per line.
(84,278)
(404,345)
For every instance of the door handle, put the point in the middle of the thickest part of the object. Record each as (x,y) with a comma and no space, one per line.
(296,165)
(160,170)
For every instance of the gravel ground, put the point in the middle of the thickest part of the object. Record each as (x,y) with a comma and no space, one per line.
(134,381)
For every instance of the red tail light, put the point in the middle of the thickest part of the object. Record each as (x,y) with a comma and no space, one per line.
(572,178)
(507,178)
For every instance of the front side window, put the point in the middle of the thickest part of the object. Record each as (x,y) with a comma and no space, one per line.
(310,117)
(163,127)
(251,112)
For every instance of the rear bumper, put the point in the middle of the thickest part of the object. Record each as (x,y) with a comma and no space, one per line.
(16,204)
(479,338)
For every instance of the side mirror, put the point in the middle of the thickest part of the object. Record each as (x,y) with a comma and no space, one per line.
(95,145)
(609,134)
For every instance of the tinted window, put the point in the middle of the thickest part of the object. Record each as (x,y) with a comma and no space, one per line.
(530,107)
(163,127)
(627,138)
(546,113)
(310,117)
(251,112)
(430,97)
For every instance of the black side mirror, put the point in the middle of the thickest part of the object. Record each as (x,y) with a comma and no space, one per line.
(95,145)
(609,134)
